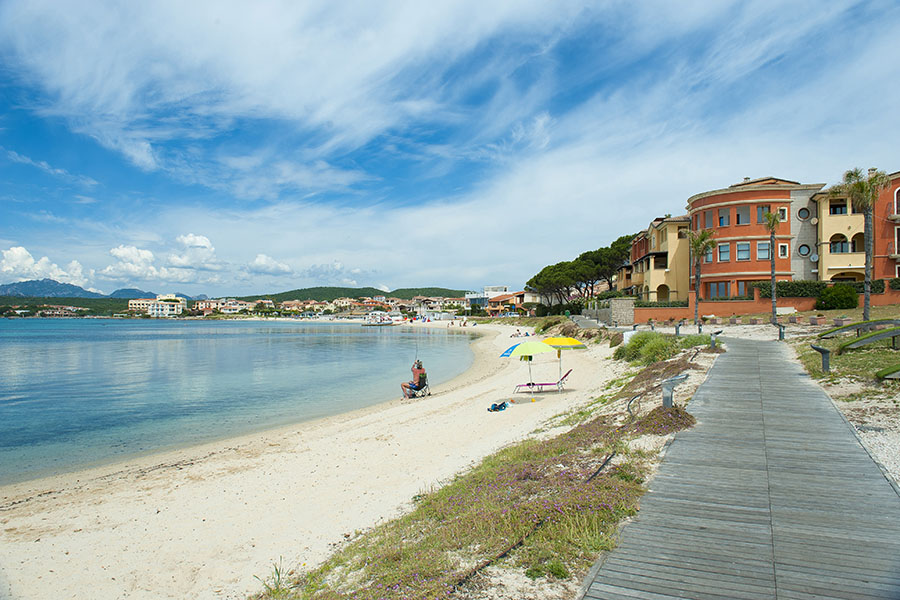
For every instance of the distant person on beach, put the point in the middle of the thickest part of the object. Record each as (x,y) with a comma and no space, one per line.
(408,387)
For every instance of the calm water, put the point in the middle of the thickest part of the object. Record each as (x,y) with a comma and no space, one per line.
(78,392)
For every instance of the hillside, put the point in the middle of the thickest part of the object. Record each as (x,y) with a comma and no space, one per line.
(327,294)
(46,288)
(97,306)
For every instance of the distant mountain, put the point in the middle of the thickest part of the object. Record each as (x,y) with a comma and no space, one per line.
(130,293)
(46,288)
(327,294)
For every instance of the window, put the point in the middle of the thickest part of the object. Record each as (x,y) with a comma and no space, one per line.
(708,215)
(782,214)
(858,243)
(717,289)
(783,250)
(724,252)
(723,217)
(761,210)
(838,244)
(742,215)
(762,250)
(803,214)
(803,250)
(742,288)
(897,203)
(708,256)
(743,250)
(837,207)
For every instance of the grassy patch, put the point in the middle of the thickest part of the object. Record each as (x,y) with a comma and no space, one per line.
(648,347)
(860,364)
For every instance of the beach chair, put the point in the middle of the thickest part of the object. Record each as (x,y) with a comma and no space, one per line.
(423,390)
(540,387)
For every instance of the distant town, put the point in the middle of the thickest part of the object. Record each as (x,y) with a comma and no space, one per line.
(489,301)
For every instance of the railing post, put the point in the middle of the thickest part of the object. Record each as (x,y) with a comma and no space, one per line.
(712,338)
(634,327)
(826,357)
(677,329)
(780,331)
(668,387)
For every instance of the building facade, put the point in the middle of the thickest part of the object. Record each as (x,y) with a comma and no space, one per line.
(742,251)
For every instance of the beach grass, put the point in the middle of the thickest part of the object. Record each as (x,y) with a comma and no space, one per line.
(545,507)
(857,367)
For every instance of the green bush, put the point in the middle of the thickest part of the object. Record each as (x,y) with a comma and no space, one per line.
(895,283)
(657,349)
(632,350)
(694,339)
(609,294)
(663,304)
(840,295)
(574,307)
(877,286)
(791,289)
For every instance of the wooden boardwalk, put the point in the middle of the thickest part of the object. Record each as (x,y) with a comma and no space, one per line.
(769,496)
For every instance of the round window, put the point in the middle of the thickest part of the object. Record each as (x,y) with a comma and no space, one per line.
(803,249)
(803,213)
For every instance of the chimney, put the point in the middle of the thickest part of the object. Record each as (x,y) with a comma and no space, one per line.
(746,179)
(872,171)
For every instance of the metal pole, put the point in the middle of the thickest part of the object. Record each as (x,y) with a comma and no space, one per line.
(677,329)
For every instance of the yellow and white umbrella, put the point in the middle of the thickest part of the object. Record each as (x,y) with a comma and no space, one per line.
(563,343)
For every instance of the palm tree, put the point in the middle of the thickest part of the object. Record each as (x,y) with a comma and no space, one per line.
(862,191)
(701,242)
(772,221)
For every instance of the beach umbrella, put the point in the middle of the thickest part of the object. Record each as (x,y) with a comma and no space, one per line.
(526,350)
(564,343)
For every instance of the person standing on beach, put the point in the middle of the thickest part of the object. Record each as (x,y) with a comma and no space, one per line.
(408,387)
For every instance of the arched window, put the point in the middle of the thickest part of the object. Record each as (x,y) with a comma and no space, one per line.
(858,243)
(897,201)
(839,244)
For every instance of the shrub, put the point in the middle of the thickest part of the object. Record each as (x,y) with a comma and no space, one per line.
(662,304)
(609,294)
(655,350)
(791,289)
(877,286)
(632,350)
(840,295)
(615,339)
(895,283)
(694,339)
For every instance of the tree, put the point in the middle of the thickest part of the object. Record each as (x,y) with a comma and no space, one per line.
(772,221)
(862,191)
(701,242)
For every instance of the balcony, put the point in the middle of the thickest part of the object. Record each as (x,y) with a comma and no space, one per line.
(895,217)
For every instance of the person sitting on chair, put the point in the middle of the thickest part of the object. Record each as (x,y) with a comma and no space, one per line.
(410,387)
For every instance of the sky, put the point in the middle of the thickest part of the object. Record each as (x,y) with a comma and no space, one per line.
(238,148)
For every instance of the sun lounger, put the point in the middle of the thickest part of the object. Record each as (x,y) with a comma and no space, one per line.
(540,387)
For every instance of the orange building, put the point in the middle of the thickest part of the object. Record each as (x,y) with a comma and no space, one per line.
(886,246)
(741,254)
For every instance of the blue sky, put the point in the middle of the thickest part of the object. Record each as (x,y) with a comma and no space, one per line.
(239,148)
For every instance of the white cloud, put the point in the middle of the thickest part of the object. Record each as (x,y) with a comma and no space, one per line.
(54,171)
(268,265)
(19,264)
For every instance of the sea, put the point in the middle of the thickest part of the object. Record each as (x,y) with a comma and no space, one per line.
(78,393)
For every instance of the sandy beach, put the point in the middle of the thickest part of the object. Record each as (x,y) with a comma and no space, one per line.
(202,522)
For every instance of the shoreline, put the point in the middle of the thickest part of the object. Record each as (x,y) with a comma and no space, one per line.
(176,455)
(121,462)
(201,522)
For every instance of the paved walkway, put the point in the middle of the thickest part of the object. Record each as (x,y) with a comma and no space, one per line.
(769,496)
